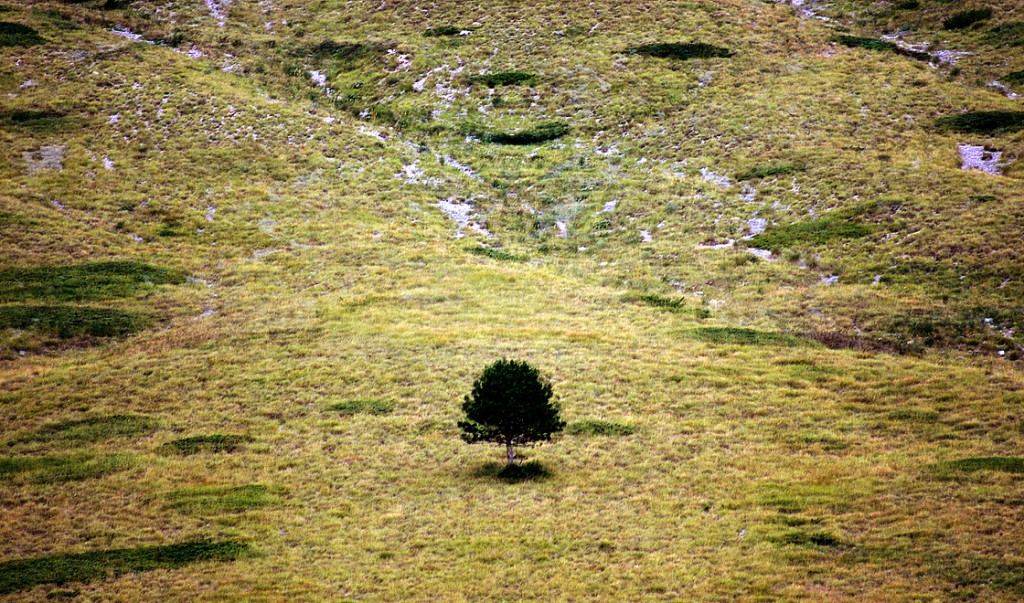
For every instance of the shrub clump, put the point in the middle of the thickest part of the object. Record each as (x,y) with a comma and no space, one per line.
(33,119)
(505,78)
(881,45)
(16,34)
(966,18)
(597,427)
(217,442)
(1007,34)
(68,322)
(538,134)
(497,254)
(983,122)
(1006,464)
(768,171)
(1014,78)
(680,51)
(367,407)
(817,232)
(443,30)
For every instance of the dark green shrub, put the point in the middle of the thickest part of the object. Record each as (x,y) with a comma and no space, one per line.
(92,429)
(83,282)
(881,45)
(741,336)
(768,171)
(816,232)
(1006,464)
(966,18)
(1007,34)
(907,5)
(444,30)
(983,122)
(596,427)
(23,574)
(16,34)
(369,407)
(348,51)
(672,304)
(507,78)
(1014,78)
(68,322)
(809,538)
(217,442)
(497,254)
(60,469)
(681,52)
(538,134)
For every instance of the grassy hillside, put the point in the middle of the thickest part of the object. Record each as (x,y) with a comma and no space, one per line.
(255,254)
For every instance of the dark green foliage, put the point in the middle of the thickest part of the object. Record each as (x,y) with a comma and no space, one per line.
(907,5)
(808,538)
(67,322)
(497,254)
(1006,464)
(224,499)
(86,431)
(966,18)
(741,336)
(540,133)
(23,574)
(596,427)
(59,19)
(511,405)
(348,55)
(444,30)
(669,50)
(217,442)
(10,219)
(514,473)
(83,282)
(1015,78)
(816,232)
(672,304)
(881,45)
(369,407)
(1007,34)
(507,78)
(60,469)
(39,120)
(16,34)
(768,171)
(983,122)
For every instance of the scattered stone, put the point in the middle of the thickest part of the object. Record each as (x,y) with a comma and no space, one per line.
(50,157)
(645,236)
(977,158)
(319,78)
(461,212)
(108,164)
(609,206)
(757,226)
(1003,88)
(719,181)
(830,280)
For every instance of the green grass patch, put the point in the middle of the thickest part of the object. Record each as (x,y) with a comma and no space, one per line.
(86,431)
(505,78)
(597,427)
(742,336)
(224,499)
(815,232)
(67,322)
(880,45)
(60,469)
(966,18)
(983,122)
(11,219)
(535,135)
(84,282)
(907,5)
(496,254)
(769,171)
(680,51)
(33,119)
(23,574)
(348,54)
(364,407)
(217,442)
(1005,464)
(16,34)
(1007,34)
(443,30)
(913,415)
(1014,78)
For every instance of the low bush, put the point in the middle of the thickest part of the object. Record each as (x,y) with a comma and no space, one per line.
(1014,78)
(506,78)
(1006,464)
(16,34)
(768,171)
(815,232)
(497,254)
(33,119)
(881,45)
(983,122)
(1007,34)
(679,51)
(444,30)
(367,407)
(966,18)
(538,134)
(68,322)
(217,442)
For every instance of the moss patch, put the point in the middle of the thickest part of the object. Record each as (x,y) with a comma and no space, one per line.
(92,429)
(224,499)
(366,407)
(597,427)
(16,34)
(23,574)
(880,45)
(67,322)
(680,51)
(33,119)
(815,232)
(506,78)
(769,171)
(1006,464)
(84,282)
(983,122)
(741,336)
(217,442)
(497,254)
(60,469)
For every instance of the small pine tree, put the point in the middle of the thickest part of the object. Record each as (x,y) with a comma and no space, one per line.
(511,405)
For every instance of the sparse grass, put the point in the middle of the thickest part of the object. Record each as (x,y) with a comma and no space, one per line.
(216,443)
(742,336)
(505,78)
(680,51)
(210,500)
(16,34)
(84,282)
(60,469)
(68,322)
(77,432)
(983,122)
(967,18)
(367,407)
(23,574)
(598,427)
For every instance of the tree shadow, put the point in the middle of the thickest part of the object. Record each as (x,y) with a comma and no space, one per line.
(515,473)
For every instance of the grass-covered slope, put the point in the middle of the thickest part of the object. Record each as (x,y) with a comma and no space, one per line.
(255,254)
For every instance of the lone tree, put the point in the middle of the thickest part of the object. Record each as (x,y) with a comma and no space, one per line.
(511,405)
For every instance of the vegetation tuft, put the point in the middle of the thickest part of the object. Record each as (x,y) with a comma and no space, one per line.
(966,18)
(364,407)
(672,304)
(505,78)
(443,30)
(84,282)
(60,469)
(742,336)
(86,431)
(67,322)
(815,232)
(538,134)
(224,499)
(815,538)
(881,45)
(597,427)
(983,122)
(769,171)
(33,119)
(16,34)
(1006,464)
(497,254)
(23,574)
(1014,78)
(217,442)
(680,51)
(1007,34)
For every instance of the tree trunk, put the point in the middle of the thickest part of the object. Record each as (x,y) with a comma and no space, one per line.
(511,453)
